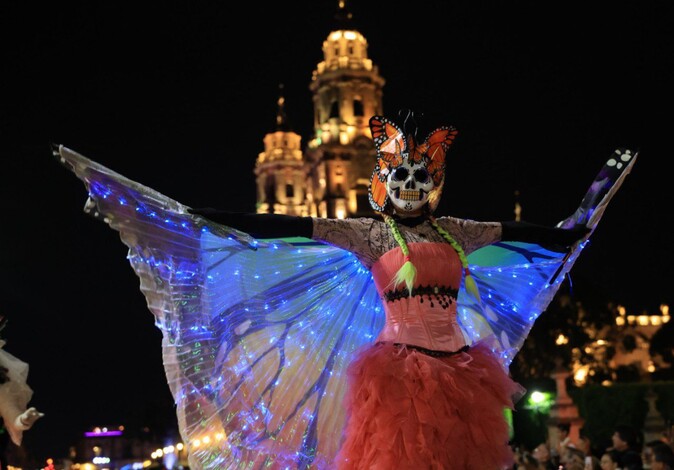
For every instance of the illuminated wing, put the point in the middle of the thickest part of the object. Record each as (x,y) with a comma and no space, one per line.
(517,280)
(256,334)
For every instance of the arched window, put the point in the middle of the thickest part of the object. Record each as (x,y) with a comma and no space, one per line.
(334,110)
(358,108)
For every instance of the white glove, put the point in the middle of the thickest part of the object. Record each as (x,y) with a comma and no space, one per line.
(26,419)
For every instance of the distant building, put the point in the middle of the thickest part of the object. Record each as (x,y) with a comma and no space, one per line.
(331,177)
(116,449)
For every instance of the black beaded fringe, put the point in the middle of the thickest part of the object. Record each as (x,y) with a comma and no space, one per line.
(432,352)
(445,296)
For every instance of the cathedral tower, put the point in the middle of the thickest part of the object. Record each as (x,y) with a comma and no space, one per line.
(347,91)
(279,170)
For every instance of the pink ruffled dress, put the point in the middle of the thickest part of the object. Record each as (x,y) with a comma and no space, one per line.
(419,398)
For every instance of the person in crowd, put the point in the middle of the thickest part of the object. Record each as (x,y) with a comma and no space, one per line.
(663,458)
(526,461)
(609,460)
(592,463)
(542,454)
(647,453)
(572,458)
(627,442)
(585,444)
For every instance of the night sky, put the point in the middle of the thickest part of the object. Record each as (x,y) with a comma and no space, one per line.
(179,95)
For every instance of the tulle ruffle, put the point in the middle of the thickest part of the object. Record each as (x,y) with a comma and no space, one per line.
(409,410)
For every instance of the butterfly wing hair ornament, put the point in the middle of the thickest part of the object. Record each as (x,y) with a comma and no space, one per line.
(518,280)
(394,148)
(256,334)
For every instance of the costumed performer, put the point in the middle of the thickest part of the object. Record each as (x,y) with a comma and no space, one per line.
(265,340)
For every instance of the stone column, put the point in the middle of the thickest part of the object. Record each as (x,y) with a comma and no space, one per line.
(563,410)
(654,424)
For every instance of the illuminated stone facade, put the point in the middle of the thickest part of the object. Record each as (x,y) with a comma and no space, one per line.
(331,177)
(280,171)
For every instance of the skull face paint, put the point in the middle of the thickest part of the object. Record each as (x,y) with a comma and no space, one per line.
(408,186)
(408,175)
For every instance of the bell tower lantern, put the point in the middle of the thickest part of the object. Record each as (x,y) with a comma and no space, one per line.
(279,170)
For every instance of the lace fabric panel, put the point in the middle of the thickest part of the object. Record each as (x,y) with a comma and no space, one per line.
(370,238)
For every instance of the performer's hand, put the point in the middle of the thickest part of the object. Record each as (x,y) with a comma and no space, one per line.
(217,215)
(571,235)
(205,211)
(552,237)
(26,419)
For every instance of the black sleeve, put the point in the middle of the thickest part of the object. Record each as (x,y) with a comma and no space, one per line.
(260,225)
(526,232)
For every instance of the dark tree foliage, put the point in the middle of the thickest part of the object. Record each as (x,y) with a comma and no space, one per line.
(576,324)
(661,349)
(662,343)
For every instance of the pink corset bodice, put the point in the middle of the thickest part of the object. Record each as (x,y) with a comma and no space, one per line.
(428,318)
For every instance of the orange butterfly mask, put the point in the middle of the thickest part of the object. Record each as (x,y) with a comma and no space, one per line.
(407,174)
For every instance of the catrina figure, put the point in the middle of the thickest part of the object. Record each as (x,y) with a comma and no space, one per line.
(359,343)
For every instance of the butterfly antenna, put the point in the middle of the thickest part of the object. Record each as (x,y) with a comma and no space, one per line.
(406,114)
(416,125)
